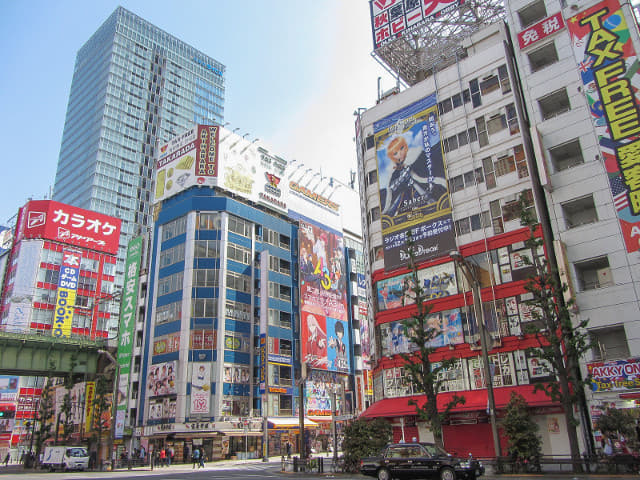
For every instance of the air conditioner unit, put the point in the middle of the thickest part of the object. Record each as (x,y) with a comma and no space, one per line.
(604,277)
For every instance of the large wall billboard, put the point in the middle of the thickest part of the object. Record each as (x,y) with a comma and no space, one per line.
(72,225)
(390,18)
(414,194)
(607,63)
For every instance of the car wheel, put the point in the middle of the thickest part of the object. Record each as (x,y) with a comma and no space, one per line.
(383,474)
(447,473)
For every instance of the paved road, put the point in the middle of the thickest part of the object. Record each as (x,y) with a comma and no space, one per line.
(241,469)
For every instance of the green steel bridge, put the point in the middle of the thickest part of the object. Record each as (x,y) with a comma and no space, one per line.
(42,355)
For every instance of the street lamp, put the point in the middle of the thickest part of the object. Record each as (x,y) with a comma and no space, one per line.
(471,274)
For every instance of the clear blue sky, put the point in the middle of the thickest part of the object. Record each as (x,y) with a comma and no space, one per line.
(296,70)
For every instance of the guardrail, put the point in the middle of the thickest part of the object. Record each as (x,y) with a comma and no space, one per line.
(612,464)
(316,464)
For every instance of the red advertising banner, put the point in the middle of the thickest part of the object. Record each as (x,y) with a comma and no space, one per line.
(540,30)
(608,66)
(71,225)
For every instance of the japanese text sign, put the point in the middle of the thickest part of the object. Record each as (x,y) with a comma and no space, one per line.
(540,30)
(608,66)
(64,223)
(66,294)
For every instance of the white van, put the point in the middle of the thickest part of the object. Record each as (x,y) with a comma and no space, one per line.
(65,458)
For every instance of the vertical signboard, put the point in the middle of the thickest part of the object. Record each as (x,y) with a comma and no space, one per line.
(264,307)
(127,324)
(66,295)
(414,194)
(608,65)
(88,407)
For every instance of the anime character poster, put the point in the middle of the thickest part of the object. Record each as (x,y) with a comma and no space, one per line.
(338,345)
(314,340)
(161,379)
(414,194)
(200,388)
(323,282)
(448,324)
(608,66)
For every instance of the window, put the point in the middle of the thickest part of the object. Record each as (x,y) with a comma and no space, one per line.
(284,242)
(445,106)
(239,226)
(489,84)
(474,87)
(203,307)
(174,228)
(521,161)
(512,119)
(554,104)
(369,142)
(469,179)
(168,313)
(463,226)
(374,214)
(456,100)
(463,139)
(277,290)
(483,137)
(532,13)
(169,284)
(581,211)
(496,123)
(504,165)
(489,175)
(543,57)
(566,155)
(496,217)
(208,221)
(205,278)
(206,249)
(503,75)
(457,183)
(237,281)
(593,273)
(610,343)
(172,255)
(239,253)
(372,177)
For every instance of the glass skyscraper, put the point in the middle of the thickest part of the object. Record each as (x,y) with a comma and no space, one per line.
(134,85)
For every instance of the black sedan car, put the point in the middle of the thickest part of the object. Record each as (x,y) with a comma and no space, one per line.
(419,460)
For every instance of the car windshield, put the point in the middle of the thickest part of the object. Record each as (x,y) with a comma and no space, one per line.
(76,452)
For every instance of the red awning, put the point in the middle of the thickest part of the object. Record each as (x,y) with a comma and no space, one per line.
(474,400)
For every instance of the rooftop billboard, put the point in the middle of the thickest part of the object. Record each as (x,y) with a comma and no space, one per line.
(71,225)
(390,18)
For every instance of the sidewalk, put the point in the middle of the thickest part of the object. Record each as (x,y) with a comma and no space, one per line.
(17,469)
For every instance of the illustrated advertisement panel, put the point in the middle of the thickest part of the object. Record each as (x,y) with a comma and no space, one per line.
(187,160)
(201,388)
(437,281)
(319,389)
(314,345)
(161,379)
(391,18)
(162,409)
(323,283)
(338,345)
(447,324)
(66,294)
(607,64)
(72,225)
(414,194)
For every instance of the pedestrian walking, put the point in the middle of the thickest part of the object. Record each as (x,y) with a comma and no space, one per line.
(202,459)
(163,457)
(196,458)
(170,453)
(6,459)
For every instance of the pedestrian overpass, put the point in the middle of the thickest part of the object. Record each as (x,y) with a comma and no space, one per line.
(27,354)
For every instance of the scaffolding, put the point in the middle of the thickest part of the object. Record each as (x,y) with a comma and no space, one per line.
(435,43)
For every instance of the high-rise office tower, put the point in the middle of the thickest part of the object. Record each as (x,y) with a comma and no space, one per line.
(133,85)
